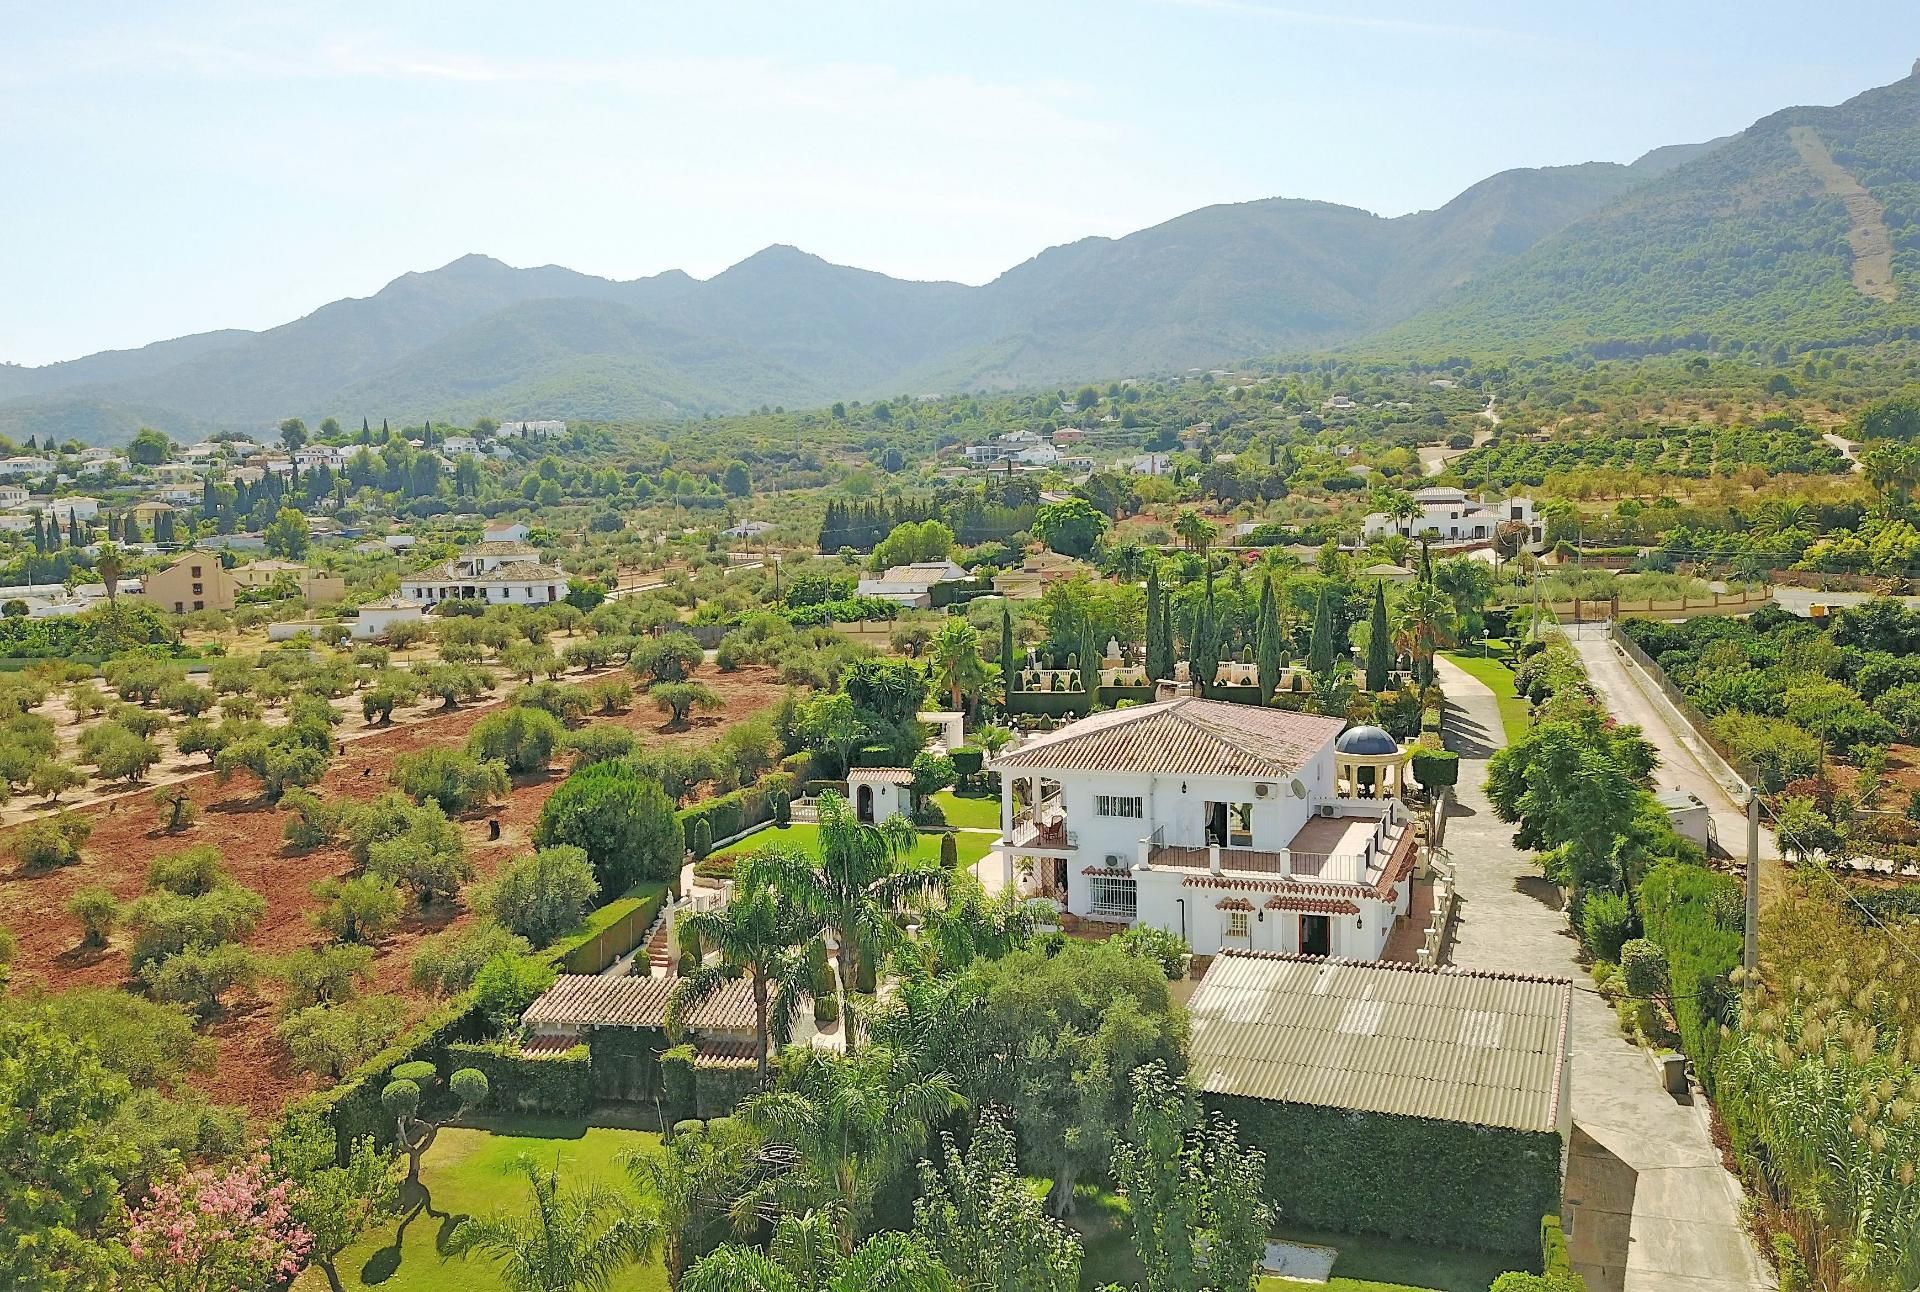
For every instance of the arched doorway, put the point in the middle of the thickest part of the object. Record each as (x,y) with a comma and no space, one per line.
(863,805)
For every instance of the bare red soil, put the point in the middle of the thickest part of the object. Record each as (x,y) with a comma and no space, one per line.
(251,1068)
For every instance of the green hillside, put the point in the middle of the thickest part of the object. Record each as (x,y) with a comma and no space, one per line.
(1745,244)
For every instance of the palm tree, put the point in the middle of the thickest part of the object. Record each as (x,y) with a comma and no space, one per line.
(1195,530)
(1404,511)
(756,934)
(702,1188)
(109,566)
(572,1241)
(855,888)
(794,1262)
(954,665)
(1425,622)
(1126,560)
(850,1125)
(973,926)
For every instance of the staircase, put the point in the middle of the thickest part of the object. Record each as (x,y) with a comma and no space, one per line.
(660,957)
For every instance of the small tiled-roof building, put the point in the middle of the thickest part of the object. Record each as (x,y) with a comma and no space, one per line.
(1429,1104)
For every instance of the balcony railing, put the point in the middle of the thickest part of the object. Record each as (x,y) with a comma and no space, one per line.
(1344,868)
(1046,836)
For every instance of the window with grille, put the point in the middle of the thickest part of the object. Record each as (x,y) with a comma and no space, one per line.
(1119,805)
(1114,895)
(1237,924)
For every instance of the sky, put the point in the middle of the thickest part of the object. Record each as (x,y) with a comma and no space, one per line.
(168,168)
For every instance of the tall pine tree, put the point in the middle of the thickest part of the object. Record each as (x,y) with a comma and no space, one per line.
(1379,648)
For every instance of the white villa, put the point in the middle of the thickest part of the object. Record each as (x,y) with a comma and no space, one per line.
(1452,516)
(1229,825)
(498,573)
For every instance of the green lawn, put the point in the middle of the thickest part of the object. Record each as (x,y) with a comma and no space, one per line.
(1104,1223)
(974,811)
(806,837)
(1496,673)
(471,1173)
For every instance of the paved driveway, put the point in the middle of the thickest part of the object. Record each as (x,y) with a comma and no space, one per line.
(1649,1207)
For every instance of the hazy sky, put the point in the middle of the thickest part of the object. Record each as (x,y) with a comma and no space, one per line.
(171,168)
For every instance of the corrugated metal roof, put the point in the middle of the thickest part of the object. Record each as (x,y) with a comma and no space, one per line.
(1183,737)
(1447,1044)
(588,1000)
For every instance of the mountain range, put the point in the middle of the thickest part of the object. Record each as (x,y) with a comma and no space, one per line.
(1801,230)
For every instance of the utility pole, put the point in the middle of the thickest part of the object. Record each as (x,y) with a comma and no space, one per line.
(1751,957)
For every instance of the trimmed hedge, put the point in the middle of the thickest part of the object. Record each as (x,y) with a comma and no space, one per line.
(626,1062)
(729,814)
(1690,912)
(352,1106)
(1401,1177)
(560,1084)
(1436,768)
(1555,1261)
(692,1088)
(598,950)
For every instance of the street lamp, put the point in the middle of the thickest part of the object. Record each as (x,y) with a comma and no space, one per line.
(1486,648)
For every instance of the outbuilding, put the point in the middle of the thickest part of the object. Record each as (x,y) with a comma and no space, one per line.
(1432,1105)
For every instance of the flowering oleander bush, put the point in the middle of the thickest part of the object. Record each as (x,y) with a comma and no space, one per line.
(225,1230)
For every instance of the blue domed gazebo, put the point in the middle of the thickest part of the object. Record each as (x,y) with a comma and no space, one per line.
(1369,763)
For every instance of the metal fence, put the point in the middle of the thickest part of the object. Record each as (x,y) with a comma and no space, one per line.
(1701,725)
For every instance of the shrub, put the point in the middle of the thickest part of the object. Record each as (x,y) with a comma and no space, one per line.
(507,984)
(98,911)
(566,703)
(327,975)
(51,841)
(1690,912)
(315,822)
(165,923)
(1168,950)
(1643,967)
(51,778)
(177,810)
(931,773)
(280,761)
(198,976)
(432,861)
(523,739)
(117,754)
(541,896)
(949,852)
(1436,768)
(1606,922)
(600,743)
(446,963)
(624,823)
(332,1040)
(190,873)
(362,909)
(1770,750)
(608,694)
(679,699)
(452,778)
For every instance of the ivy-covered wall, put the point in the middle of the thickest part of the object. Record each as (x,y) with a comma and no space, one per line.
(1427,1181)
(626,1063)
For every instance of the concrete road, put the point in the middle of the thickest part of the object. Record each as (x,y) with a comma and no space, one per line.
(1800,601)
(1686,763)
(1648,1206)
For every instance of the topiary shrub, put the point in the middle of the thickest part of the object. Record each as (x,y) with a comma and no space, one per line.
(949,852)
(1643,967)
(1436,768)
(701,840)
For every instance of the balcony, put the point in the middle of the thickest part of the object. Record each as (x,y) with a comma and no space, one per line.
(1043,829)
(1344,849)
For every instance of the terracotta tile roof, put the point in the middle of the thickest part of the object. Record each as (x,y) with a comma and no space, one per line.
(885,775)
(1313,905)
(1304,888)
(1233,904)
(588,1000)
(1181,737)
(1446,1044)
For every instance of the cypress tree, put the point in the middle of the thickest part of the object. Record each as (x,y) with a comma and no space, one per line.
(1089,664)
(1159,650)
(1320,652)
(1204,651)
(163,529)
(1379,650)
(1267,641)
(130,530)
(209,507)
(1009,667)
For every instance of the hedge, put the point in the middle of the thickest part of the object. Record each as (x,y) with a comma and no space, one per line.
(750,805)
(352,1106)
(560,1084)
(595,951)
(693,1087)
(1435,768)
(626,1062)
(1555,1261)
(1401,1177)
(1695,915)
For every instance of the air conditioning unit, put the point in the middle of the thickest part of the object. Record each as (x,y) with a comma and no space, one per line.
(1298,788)
(1325,809)
(1261,791)
(1114,862)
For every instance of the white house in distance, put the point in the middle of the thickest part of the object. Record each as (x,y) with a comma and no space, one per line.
(1452,516)
(747,529)
(1229,825)
(911,585)
(376,619)
(497,573)
(502,531)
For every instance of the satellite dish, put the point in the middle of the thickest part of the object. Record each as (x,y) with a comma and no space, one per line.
(1298,788)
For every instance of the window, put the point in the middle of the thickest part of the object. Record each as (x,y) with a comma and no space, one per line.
(199,605)
(1119,805)
(1237,926)
(179,607)
(196,571)
(1114,894)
